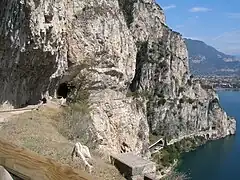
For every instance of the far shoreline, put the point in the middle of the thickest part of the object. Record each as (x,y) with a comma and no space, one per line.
(227,89)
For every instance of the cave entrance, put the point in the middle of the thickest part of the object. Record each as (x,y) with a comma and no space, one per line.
(63,90)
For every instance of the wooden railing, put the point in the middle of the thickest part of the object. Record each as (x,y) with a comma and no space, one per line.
(31,166)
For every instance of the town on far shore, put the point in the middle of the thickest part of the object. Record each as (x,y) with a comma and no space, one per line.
(220,82)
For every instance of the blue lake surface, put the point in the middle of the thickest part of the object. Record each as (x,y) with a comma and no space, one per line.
(220,159)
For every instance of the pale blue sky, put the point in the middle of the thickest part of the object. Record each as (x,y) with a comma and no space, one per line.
(216,22)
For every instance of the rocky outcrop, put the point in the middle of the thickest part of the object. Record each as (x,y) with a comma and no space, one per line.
(118,54)
(4,175)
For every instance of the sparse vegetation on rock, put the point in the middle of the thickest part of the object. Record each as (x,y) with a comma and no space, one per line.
(176,176)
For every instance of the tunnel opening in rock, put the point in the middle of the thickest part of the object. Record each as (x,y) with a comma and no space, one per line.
(161,142)
(63,90)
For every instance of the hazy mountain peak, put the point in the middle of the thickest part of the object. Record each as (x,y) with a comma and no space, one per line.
(206,60)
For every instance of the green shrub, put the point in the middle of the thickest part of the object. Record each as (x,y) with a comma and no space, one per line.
(206,86)
(157,158)
(189,82)
(215,100)
(181,101)
(194,107)
(174,152)
(132,94)
(179,106)
(167,156)
(181,89)
(137,94)
(163,64)
(180,119)
(190,101)
(161,101)
(165,160)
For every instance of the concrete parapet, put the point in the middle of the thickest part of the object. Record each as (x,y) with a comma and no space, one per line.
(132,166)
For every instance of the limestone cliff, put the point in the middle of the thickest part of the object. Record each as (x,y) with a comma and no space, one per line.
(133,67)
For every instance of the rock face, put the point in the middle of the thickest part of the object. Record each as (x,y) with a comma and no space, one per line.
(132,66)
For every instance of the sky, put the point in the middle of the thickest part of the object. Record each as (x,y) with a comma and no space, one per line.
(216,22)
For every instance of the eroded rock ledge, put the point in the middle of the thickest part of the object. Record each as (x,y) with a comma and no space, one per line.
(134,68)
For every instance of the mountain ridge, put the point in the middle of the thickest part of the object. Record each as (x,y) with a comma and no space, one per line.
(207,60)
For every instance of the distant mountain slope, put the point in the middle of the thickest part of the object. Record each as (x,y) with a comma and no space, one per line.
(206,60)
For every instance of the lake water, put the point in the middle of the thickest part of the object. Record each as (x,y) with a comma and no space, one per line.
(220,159)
